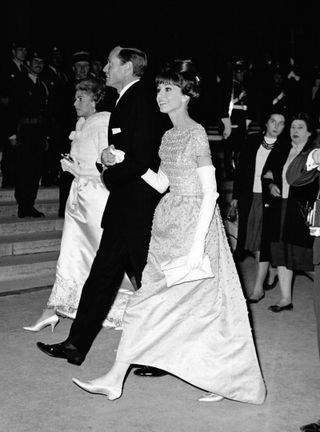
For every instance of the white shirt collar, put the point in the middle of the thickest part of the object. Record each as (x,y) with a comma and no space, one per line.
(126,88)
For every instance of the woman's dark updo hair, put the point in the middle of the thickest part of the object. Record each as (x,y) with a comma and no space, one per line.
(181,73)
(94,87)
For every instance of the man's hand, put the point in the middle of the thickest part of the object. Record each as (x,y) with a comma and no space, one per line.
(274,190)
(107,157)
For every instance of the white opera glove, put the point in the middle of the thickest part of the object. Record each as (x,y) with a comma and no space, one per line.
(210,195)
(159,181)
(71,167)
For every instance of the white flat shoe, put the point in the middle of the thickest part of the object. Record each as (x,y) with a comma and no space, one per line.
(111,393)
(52,320)
(210,397)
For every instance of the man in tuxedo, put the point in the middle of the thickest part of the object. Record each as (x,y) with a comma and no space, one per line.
(135,127)
(303,170)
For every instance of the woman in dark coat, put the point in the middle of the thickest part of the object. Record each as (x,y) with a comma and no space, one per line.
(247,197)
(285,230)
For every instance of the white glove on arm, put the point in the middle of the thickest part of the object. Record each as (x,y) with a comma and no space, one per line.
(159,181)
(210,195)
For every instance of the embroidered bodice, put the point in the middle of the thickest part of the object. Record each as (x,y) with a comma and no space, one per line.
(178,152)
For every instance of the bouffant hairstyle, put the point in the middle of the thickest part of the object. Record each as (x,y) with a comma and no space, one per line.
(181,73)
(94,87)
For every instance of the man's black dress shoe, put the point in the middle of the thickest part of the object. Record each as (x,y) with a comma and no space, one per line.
(311,427)
(148,371)
(267,286)
(64,350)
(22,213)
(277,308)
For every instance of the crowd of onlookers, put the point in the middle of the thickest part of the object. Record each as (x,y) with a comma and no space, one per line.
(242,90)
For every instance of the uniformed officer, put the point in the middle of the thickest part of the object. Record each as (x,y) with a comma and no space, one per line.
(240,117)
(10,72)
(29,129)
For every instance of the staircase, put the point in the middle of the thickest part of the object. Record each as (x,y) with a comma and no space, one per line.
(29,247)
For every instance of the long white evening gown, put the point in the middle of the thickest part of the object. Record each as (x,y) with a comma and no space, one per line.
(198,331)
(82,224)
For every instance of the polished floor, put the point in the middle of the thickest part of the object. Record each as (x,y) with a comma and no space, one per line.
(37,393)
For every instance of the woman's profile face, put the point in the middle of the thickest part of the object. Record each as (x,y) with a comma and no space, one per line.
(299,132)
(170,98)
(275,125)
(84,104)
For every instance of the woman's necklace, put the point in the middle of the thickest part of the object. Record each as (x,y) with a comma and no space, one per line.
(268,145)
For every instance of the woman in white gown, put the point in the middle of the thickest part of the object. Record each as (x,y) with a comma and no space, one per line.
(197,330)
(85,205)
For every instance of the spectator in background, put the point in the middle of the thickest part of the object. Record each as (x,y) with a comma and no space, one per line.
(285,215)
(29,128)
(10,73)
(247,198)
(239,112)
(301,172)
(96,69)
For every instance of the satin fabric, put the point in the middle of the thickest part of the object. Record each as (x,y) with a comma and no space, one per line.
(82,224)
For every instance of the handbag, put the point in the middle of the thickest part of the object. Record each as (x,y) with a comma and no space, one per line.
(176,270)
(313,218)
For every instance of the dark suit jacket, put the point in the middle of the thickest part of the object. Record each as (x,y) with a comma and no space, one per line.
(297,175)
(135,127)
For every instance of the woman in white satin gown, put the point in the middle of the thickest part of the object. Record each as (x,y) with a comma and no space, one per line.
(197,330)
(85,205)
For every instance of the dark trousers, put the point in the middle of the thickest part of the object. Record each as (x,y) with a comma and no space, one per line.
(114,254)
(8,164)
(30,154)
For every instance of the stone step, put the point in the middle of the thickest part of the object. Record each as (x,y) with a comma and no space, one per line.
(48,207)
(15,226)
(46,241)
(21,266)
(30,283)
(50,193)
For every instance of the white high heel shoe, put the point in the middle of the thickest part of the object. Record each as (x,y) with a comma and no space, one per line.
(52,320)
(112,394)
(210,397)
